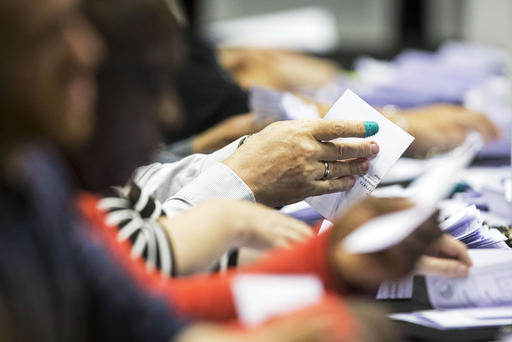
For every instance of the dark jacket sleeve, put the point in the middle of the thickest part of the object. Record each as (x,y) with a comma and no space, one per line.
(208,93)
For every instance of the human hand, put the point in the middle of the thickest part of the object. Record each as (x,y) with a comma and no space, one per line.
(225,132)
(276,69)
(446,257)
(284,163)
(442,127)
(204,233)
(367,271)
(261,227)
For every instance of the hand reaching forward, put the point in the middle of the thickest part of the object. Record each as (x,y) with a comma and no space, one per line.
(441,127)
(446,257)
(203,234)
(290,160)
(369,270)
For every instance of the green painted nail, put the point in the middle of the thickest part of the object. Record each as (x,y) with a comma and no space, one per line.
(371,128)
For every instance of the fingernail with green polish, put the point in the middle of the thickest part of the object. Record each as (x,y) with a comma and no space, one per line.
(371,128)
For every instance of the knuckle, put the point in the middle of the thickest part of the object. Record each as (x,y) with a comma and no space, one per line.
(349,182)
(339,128)
(337,169)
(340,151)
(308,149)
(310,189)
(333,186)
(355,168)
(366,149)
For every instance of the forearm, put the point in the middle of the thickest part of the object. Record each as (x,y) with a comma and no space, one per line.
(206,296)
(198,247)
(219,181)
(164,181)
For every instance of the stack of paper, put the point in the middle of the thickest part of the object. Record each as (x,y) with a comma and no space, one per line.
(467,226)
(458,318)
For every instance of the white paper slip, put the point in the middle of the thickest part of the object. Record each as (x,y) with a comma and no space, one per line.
(260,297)
(326,225)
(392,140)
(270,105)
(458,318)
(396,289)
(388,230)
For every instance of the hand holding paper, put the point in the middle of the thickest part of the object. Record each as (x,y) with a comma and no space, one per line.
(428,190)
(286,161)
(392,140)
(394,261)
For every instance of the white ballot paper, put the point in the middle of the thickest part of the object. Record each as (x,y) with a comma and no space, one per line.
(458,318)
(396,289)
(260,297)
(483,298)
(392,140)
(387,230)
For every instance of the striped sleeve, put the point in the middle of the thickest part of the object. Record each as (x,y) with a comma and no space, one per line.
(135,217)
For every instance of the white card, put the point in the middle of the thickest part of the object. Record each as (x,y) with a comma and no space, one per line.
(260,297)
(392,140)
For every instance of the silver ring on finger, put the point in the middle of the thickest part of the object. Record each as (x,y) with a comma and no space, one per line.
(327,171)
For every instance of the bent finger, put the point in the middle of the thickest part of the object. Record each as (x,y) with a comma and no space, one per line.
(329,186)
(298,226)
(455,249)
(428,265)
(291,235)
(483,125)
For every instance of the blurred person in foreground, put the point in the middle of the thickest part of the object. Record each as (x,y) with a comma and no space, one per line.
(59,281)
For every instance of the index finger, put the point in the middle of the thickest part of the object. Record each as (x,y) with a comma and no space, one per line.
(333,129)
(455,249)
(483,125)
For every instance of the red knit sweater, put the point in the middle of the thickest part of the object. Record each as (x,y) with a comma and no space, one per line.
(209,296)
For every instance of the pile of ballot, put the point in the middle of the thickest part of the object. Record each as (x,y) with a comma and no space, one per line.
(468,226)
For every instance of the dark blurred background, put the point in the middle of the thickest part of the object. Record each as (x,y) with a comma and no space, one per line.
(344,29)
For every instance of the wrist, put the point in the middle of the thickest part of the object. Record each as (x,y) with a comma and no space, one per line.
(237,223)
(236,163)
